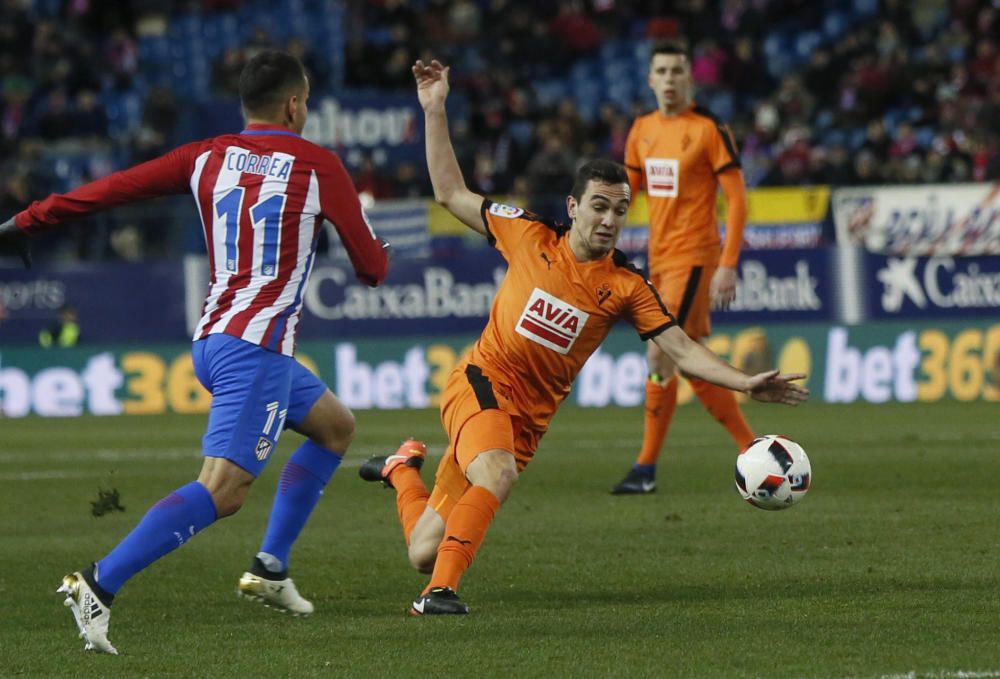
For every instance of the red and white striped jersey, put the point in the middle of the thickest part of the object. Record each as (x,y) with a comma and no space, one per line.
(262,195)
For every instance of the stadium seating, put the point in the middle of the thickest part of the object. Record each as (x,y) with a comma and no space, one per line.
(180,55)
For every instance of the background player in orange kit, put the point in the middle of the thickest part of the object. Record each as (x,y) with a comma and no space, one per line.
(565,288)
(681,153)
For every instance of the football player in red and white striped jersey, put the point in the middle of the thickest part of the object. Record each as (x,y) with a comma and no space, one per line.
(262,195)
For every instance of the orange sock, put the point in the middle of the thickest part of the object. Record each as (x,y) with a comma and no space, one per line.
(661,402)
(463,534)
(722,405)
(411,497)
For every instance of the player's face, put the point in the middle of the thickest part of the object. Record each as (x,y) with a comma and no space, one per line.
(598,218)
(670,80)
(300,111)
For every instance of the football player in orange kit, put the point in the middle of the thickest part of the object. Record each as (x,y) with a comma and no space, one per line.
(565,288)
(681,153)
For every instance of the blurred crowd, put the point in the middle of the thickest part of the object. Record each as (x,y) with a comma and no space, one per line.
(71,110)
(890,91)
(906,91)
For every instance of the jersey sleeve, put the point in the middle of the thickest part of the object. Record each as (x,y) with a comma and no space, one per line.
(721,148)
(505,225)
(340,205)
(633,163)
(646,311)
(167,175)
(733,186)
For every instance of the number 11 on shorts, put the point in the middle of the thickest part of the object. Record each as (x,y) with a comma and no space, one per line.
(265,444)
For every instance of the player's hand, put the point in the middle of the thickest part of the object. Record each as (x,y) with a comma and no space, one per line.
(773,387)
(432,83)
(13,241)
(722,289)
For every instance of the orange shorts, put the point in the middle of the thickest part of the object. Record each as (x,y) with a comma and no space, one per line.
(474,412)
(685,291)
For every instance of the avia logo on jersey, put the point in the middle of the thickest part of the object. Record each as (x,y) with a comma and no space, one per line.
(662,176)
(278,166)
(551,322)
(507,211)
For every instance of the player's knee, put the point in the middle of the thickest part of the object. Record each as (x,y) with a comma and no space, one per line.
(227,483)
(340,432)
(424,540)
(496,471)
(228,495)
(422,550)
(505,476)
(329,424)
(505,483)
(228,502)
(422,556)
(227,508)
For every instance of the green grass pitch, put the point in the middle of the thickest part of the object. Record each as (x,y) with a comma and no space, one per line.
(887,568)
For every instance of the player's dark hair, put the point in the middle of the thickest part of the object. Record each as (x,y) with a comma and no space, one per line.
(670,47)
(600,170)
(268,80)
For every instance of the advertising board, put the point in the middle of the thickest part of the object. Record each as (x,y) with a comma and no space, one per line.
(890,361)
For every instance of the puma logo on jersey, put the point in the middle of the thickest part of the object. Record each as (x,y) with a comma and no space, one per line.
(662,177)
(545,258)
(550,321)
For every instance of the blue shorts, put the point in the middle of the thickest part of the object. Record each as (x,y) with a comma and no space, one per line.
(255,392)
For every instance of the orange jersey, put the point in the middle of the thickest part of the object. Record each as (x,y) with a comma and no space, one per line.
(677,159)
(553,311)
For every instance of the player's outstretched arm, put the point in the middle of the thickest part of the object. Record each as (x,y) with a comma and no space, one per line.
(446,176)
(695,360)
(163,176)
(13,241)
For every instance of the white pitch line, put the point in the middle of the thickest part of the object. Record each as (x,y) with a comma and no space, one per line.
(939,674)
(946,674)
(103,454)
(46,476)
(112,455)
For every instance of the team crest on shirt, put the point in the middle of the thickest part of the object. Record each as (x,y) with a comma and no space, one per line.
(662,177)
(603,293)
(264,447)
(551,322)
(506,211)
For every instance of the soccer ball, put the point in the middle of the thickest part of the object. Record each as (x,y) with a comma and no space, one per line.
(773,472)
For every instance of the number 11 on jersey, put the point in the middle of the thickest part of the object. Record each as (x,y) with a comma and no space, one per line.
(265,214)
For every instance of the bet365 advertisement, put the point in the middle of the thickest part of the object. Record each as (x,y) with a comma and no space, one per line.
(885,362)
